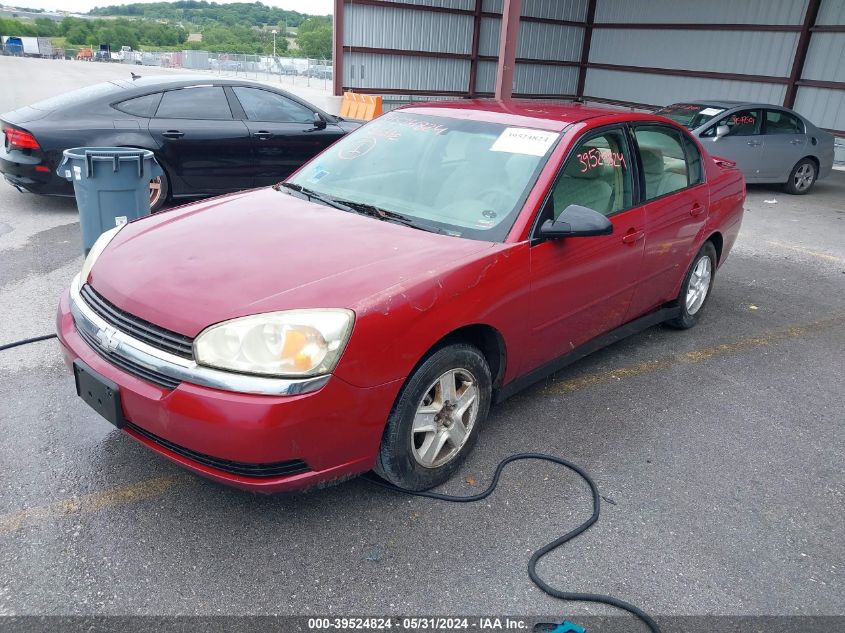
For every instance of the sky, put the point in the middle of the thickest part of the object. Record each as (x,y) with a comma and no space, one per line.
(314,7)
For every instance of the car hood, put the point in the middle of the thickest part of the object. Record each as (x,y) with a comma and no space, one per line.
(262,251)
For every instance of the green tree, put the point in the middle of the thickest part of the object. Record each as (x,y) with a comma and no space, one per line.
(315,37)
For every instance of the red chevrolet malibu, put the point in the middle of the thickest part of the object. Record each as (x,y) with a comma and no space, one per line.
(366,313)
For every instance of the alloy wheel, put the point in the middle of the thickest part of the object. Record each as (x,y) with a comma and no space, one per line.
(804,177)
(155,191)
(445,418)
(699,284)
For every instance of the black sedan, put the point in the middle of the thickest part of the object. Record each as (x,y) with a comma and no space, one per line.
(210,135)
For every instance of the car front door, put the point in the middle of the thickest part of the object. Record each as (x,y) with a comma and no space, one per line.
(581,287)
(200,142)
(676,201)
(283,133)
(786,142)
(744,143)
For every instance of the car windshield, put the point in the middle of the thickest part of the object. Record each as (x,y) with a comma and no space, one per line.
(690,115)
(457,176)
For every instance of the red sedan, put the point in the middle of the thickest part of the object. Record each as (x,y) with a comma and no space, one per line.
(366,313)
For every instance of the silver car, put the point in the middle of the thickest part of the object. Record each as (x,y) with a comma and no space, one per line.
(769,143)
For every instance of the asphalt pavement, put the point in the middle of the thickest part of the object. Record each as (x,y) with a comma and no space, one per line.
(719,452)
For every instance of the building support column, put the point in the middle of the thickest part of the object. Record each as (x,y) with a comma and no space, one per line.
(801,53)
(473,60)
(585,48)
(337,49)
(508,41)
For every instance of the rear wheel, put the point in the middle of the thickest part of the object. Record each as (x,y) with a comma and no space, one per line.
(696,288)
(802,177)
(159,191)
(436,419)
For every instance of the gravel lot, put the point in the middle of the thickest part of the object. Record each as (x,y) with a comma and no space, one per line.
(724,461)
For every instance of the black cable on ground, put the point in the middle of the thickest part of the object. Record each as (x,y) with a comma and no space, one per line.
(27,341)
(537,555)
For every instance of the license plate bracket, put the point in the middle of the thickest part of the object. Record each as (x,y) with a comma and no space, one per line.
(100,393)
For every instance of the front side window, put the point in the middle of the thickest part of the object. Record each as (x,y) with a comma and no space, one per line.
(742,123)
(597,175)
(664,160)
(263,105)
(780,122)
(463,177)
(202,102)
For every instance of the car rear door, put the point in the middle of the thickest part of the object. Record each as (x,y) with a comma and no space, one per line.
(676,200)
(201,142)
(744,144)
(581,287)
(786,142)
(283,132)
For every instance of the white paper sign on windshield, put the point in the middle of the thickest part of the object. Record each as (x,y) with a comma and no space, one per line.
(519,140)
(711,111)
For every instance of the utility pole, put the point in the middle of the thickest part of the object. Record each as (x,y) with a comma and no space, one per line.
(274,42)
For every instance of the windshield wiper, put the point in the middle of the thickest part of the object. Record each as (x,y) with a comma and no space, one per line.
(327,200)
(359,207)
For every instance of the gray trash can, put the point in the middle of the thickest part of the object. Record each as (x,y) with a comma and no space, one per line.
(112,186)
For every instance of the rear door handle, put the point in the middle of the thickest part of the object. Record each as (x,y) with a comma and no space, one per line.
(697,209)
(632,236)
(754,143)
(796,141)
(262,135)
(173,134)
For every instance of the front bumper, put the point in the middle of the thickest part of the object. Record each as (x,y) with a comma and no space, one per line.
(335,430)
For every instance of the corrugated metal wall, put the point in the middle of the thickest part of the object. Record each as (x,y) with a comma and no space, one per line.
(629,37)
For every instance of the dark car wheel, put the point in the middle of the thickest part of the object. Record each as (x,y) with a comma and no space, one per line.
(802,177)
(696,288)
(159,191)
(436,419)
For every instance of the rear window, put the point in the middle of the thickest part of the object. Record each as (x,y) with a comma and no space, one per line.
(76,97)
(140,106)
(201,102)
(690,115)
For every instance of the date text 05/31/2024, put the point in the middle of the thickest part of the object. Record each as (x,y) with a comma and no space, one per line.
(481,624)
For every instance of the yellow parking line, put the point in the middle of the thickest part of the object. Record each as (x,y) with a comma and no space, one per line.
(808,251)
(87,504)
(695,356)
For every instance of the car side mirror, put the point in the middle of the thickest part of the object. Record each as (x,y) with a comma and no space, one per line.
(576,221)
(319,121)
(721,130)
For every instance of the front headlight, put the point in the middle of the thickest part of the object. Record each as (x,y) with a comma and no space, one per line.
(96,250)
(290,344)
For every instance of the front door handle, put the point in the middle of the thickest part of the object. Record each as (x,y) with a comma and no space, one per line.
(262,135)
(173,134)
(696,210)
(754,143)
(633,236)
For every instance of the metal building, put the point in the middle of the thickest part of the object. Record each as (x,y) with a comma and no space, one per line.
(642,53)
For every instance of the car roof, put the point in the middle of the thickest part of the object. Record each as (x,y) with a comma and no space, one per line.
(541,114)
(177,81)
(729,105)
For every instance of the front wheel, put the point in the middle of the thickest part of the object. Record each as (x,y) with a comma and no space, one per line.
(802,177)
(436,419)
(696,288)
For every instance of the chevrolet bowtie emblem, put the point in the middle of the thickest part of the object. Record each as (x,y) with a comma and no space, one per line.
(107,338)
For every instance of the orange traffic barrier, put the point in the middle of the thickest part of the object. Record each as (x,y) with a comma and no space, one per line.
(361,107)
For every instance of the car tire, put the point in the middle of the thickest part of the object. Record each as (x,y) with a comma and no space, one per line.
(159,192)
(695,291)
(427,436)
(802,177)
